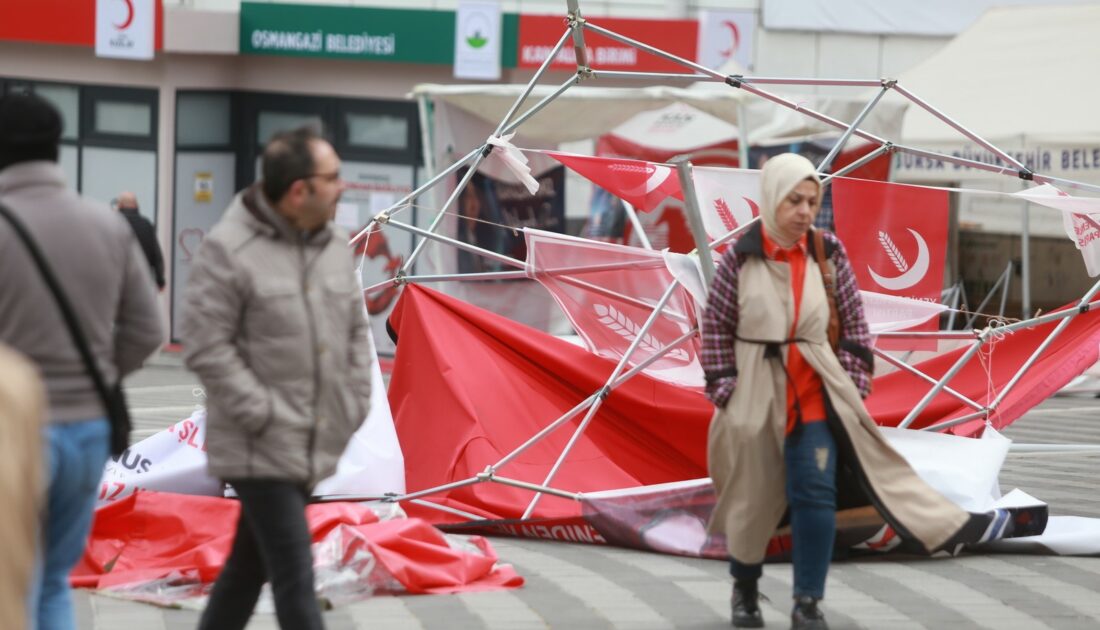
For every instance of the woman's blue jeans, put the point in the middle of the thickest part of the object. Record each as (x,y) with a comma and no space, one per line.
(810,461)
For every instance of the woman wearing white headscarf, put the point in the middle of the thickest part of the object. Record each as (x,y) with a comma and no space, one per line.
(789,401)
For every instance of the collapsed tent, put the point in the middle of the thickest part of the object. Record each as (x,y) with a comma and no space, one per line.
(470,388)
(167,548)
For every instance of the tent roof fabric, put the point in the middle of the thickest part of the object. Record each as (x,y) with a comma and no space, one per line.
(1019,75)
(584,112)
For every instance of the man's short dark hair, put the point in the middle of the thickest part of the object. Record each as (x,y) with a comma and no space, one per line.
(30,129)
(287,158)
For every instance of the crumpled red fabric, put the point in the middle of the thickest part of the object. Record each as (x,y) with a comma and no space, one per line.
(152,535)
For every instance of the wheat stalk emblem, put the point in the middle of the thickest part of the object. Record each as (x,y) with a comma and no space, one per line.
(893,252)
(628,329)
(723,210)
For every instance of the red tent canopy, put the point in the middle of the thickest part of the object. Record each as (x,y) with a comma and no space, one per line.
(469,387)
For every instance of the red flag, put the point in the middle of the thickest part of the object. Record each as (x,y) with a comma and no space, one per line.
(896,236)
(643,185)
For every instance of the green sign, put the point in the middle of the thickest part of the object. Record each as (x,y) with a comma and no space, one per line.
(342,32)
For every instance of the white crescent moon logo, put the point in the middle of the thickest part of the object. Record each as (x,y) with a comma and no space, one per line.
(915,273)
(656,178)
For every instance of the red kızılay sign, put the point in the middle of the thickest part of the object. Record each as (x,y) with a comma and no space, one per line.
(539,33)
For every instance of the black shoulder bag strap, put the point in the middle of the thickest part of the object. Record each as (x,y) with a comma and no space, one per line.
(114,402)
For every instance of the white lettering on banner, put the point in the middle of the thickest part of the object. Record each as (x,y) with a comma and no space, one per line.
(569,533)
(318,41)
(1039,160)
(287,40)
(598,55)
(381,45)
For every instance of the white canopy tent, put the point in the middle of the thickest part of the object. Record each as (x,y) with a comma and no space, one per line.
(1019,78)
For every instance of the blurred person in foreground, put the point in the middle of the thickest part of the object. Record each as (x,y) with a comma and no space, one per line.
(104,275)
(788,373)
(274,327)
(146,234)
(22,416)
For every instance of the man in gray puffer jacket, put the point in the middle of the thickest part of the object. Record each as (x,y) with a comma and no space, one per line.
(274,327)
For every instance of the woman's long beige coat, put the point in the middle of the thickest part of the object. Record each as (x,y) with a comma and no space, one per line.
(745,445)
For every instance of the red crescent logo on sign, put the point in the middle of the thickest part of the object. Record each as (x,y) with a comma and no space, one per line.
(735,36)
(129,16)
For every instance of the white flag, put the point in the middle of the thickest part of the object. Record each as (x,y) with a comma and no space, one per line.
(1080,218)
(728,197)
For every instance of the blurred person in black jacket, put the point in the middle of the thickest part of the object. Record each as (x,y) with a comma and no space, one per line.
(146,234)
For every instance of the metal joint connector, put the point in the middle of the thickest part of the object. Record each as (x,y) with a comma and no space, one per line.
(390,497)
(382,217)
(889,83)
(735,80)
(487,474)
(486,150)
(1026,175)
(1084,308)
(603,393)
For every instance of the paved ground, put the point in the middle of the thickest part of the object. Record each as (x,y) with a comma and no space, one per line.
(578,586)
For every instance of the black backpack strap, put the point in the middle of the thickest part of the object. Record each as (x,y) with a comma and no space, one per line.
(110,398)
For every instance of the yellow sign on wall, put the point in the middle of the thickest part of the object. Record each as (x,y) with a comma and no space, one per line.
(204,187)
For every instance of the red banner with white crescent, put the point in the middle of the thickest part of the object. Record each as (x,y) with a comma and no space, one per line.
(896,236)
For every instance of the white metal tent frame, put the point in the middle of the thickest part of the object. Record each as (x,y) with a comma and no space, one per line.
(575,26)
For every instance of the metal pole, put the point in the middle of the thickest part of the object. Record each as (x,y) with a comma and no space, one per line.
(443,211)
(656,76)
(576,24)
(444,508)
(581,269)
(957,421)
(956,293)
(958,127)
(603,393)
(656,356)
(942,334)
(742,135)
(924,402)
(598,290)
(534,80)
(419,191)
(992,290)
(457,277)
(438,489)
(1025,261)
(566,417)
(537,488)
(824,165)
(826,178)
(1069,315)
(655,51)
(636,224)
(1051,317)
(546,100)
(695,218)
(565,452)
(480,154)
(734,233)
(935,155)
(508,260)
(924,377)
(1004,290)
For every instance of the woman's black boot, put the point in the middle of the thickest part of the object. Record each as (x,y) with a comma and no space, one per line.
(806,616)
(746,605)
